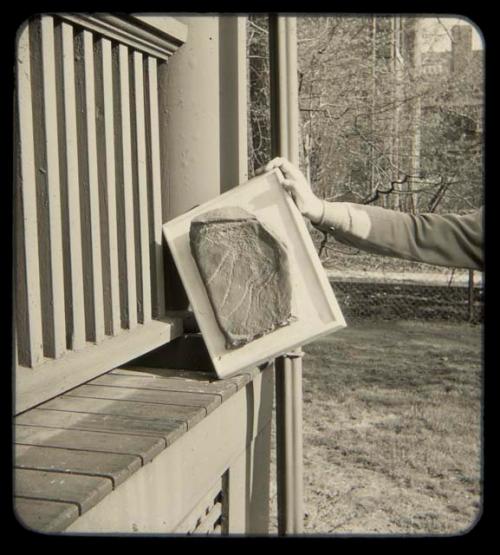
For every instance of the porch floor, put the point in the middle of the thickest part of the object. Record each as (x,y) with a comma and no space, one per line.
(73,450)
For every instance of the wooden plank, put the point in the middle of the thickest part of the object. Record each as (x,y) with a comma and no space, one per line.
(44,516)
(142,189)
(128,206)
(54,321)
(190,467)
(84,491)
(143,447)
(107,175)
(76,315)
(239,380)
(188,524)
(28,300)
(207,524)
(156,209)
(222,388)
(96,308)
(177,398)
(116,467)
(169,429)
(180,374)
(132,409)
(32,388)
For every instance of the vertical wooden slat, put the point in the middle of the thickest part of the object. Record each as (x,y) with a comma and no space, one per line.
(126,147)
(106,104)
(65,267)
(96,308)
(28,303)
(156,208)
(55,316)
(74,239)
(142,189)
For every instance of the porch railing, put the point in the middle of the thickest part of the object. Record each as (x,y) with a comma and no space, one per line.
(88,278)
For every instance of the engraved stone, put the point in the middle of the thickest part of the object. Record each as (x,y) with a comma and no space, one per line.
(246,272)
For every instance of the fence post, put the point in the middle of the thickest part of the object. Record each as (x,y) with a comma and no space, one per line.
(471,296)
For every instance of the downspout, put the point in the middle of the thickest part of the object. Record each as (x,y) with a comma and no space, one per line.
(285,142)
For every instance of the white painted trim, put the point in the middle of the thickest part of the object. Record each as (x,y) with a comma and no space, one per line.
(160,40)
(169,26)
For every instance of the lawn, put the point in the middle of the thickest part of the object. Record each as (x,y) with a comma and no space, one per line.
(392,429)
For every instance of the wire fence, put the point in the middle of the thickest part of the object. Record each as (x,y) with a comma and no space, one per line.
(360,299)
(370,286)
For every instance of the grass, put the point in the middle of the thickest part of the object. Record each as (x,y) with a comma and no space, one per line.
(392,429)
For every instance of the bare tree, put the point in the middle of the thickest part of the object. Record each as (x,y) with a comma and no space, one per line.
(382,121)
(259,128)
(376,128)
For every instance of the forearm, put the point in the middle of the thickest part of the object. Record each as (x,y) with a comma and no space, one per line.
(444,240)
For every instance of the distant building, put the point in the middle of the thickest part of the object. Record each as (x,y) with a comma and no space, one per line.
(438,115)
(463,66)
(455,60)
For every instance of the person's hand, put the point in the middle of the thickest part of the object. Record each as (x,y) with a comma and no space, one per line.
(297,185)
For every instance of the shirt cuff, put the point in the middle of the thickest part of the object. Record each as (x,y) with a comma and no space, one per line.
(336,216)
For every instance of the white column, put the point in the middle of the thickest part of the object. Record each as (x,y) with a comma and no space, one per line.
(233,101)
(189,96)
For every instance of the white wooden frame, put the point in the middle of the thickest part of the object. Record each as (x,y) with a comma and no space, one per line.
(313,302)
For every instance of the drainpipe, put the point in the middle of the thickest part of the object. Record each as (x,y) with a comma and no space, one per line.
(285,142)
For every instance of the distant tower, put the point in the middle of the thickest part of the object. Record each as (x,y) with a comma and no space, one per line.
(461,47)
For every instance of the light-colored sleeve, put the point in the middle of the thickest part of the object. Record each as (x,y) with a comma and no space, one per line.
(443,240)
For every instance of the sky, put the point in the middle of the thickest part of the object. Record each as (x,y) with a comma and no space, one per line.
(436,38)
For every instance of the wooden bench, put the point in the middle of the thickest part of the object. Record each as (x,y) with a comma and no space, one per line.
(144,449)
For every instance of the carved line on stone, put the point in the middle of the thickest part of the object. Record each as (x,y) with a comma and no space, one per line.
(216,271)
(254,240)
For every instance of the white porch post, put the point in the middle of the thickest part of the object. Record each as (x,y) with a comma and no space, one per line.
(189,98)
(204,98)
(233,102)
(204,139)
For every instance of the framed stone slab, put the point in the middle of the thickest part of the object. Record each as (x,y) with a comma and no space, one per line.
(252,275)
